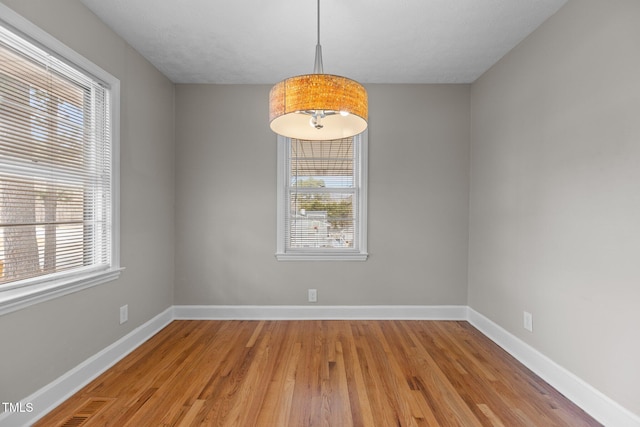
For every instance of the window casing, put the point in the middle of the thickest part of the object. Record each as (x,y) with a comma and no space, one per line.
(58,168)
(322,199)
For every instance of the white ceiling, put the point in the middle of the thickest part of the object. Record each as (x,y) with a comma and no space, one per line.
(372,41)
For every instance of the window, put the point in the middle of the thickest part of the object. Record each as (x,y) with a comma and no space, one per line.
(322,208)
(58,142)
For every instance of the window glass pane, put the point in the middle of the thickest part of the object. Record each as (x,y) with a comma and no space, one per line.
(322,199)
(321,216)
(327,164)
(42,112)
(321,220)
(55,165)
(42,228)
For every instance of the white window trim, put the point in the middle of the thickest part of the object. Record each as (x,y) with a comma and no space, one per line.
(39,289)
(359,254)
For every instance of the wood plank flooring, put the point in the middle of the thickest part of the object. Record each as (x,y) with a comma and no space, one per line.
(318,373)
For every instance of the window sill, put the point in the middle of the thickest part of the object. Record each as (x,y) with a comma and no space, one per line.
(19,298)
(322,256)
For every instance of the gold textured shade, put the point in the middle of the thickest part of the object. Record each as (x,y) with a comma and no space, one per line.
(292,101)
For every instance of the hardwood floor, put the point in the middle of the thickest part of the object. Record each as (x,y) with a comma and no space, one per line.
(324,373)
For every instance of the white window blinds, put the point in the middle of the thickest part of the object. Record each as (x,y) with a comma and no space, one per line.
(322,202)
(55,166)
(321,194)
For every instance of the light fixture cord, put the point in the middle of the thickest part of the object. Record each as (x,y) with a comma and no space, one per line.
(317,66)
(317,115)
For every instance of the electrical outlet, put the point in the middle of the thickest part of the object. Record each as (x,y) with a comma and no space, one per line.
(528,321)
(313,295)
(124,313)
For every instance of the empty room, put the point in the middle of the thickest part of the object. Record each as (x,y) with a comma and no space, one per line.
(319,213)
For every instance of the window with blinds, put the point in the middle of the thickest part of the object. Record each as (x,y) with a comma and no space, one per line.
(322,199)
(56,201)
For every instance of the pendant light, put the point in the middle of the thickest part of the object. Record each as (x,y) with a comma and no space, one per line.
(318,106)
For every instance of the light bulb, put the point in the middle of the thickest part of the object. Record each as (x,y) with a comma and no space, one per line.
(315,121)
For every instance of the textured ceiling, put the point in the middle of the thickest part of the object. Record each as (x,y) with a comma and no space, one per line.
(372,41)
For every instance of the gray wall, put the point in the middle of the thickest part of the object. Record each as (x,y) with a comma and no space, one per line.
(44,341)
(555,193)
(418,202)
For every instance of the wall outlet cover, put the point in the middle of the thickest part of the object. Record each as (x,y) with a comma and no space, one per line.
(528,321)
(124,313)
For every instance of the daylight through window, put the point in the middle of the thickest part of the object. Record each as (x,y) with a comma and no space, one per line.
(55,166)
(322,199)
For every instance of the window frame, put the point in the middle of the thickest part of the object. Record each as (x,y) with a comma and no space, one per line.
(42,288)
(358,253)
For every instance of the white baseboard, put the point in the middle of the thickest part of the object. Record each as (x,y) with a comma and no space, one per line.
(56,392)
(592,401)
(320,312)
(599,406)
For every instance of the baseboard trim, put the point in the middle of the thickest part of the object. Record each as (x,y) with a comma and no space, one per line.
(53,394)
(592,401)
(320,312)
(599,406)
